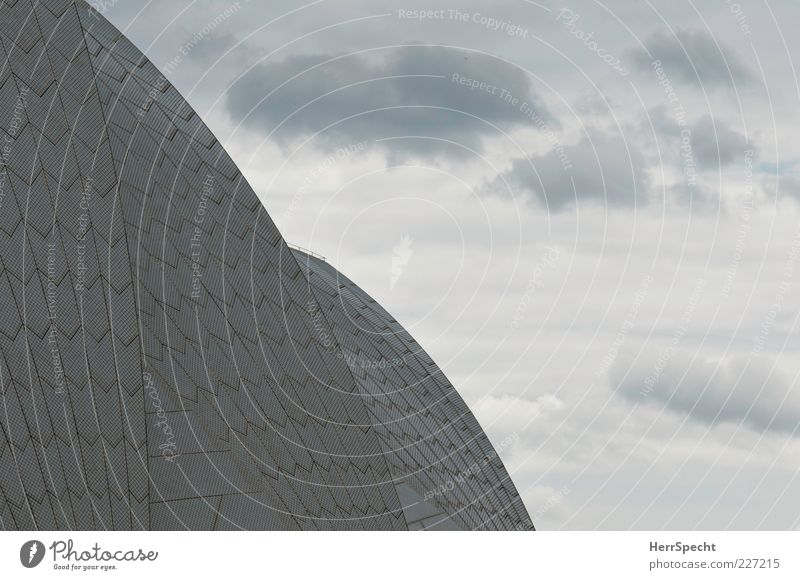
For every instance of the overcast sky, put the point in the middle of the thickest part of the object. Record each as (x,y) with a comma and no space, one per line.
(586,212)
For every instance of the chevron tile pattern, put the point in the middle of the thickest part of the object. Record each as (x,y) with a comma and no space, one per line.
(431,440)
(161,360)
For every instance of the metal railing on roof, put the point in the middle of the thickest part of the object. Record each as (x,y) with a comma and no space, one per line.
(307,251)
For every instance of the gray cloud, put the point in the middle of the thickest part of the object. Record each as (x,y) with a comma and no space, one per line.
(208,48)
(786,185)
(693,56)
(743,390)
(603,168)
(713,142)
(437,105)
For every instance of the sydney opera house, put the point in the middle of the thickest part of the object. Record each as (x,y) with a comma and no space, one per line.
(167,362)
